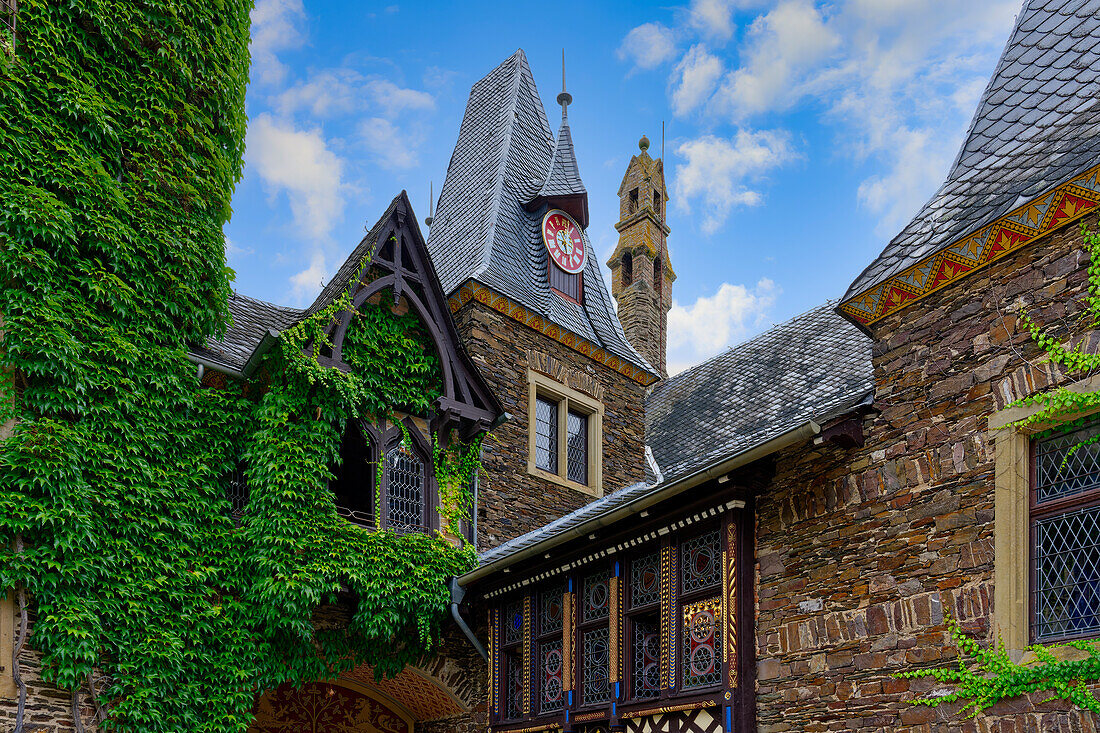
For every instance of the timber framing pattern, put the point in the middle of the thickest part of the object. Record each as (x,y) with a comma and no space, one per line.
(1021,226)
(473,290)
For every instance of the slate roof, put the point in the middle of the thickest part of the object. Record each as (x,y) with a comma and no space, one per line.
(564,178)
(815,366)
(1037,125)
(481,229)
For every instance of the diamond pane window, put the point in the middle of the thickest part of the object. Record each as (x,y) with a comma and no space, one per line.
(513,685)
(1062,468)
(577,442)
(701,562)
(595,664)
(550,607)
(701,644)
(1067,574)
(550,659)
(646,658)
(546,435)
(645,581)
(405,492)
(237,493)
(597,596)
(512,621)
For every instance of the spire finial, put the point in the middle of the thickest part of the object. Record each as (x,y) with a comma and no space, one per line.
(565,98)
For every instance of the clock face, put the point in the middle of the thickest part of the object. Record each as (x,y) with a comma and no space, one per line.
(563,240)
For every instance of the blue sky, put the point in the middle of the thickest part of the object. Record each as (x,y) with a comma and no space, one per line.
(800,136)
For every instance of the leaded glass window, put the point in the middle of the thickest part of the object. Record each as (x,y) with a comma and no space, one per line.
(1067,574)
(512,621)
(405,489)
(546,435)
(1065,528)
(645,580)
(550,689)
(701,562)
(1063,469)
(513,685)
(596,597)
(702,644)
(595,666)
(646,658)
(550,608)
(577,447)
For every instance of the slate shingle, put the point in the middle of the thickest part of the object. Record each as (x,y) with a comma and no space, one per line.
(813,367)
(505,156)
(1010,152)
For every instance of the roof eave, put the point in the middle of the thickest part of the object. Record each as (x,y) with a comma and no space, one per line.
(798,434)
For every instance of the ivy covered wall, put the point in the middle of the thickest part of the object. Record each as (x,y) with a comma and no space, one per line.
(122,141)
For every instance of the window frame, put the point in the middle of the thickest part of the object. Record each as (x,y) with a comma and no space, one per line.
(515,649)
(568,400)
(630,617)
(1012,581)
(1037,511)
(582,626)
(541,636)
(685,598)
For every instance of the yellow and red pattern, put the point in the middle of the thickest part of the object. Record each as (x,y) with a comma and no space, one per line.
(1055,208)
(473,290)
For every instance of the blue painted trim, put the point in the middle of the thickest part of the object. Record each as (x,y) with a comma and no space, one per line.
(729,718)
(570,695)
(613,707)
(570,583)
(616,568)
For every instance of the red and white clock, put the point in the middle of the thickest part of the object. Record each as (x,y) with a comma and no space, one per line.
(564,241)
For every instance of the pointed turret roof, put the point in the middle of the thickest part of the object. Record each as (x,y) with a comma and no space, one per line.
(505,157)
(1037,126)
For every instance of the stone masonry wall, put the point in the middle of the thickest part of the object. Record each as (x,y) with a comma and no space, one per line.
(48,709)
(512,502)
(860,552)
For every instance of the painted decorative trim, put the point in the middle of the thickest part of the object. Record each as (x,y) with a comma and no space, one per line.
(615,629)
(1016,229)
(669,709)
(624,545)
(568,618)
(494,661)
(532,729)
(729,648)
(473,290)
(527,681)
(589,716)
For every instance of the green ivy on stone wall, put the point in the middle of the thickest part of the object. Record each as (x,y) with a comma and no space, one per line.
(122,140)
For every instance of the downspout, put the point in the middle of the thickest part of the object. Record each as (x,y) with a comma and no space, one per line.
(458,593)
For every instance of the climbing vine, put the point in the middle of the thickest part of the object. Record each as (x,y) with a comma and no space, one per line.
(986,675)
(122,140)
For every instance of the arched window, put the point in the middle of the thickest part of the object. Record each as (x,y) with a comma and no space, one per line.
(628,270)
(633,206)
(657,202)
(353,485)
(405,490)
(658,275)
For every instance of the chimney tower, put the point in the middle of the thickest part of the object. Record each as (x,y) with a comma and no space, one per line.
(641,273)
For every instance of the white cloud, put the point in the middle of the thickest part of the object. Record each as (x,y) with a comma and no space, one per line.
(276,26)
(326,94)
(648,46)
(300,164)
(393,100)
(341,91)
(783,43)
(305,285)
(712,18)
(701,330)
(393,146)
(718,169)
(694,79)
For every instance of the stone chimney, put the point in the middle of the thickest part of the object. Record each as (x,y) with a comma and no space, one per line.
(641,274)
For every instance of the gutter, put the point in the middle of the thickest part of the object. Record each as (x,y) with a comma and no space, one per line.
(266,342)
(796,435)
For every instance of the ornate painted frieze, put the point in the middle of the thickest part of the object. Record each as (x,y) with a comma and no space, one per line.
(494,661)
(1055,208)
(527,655)
(473,290)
